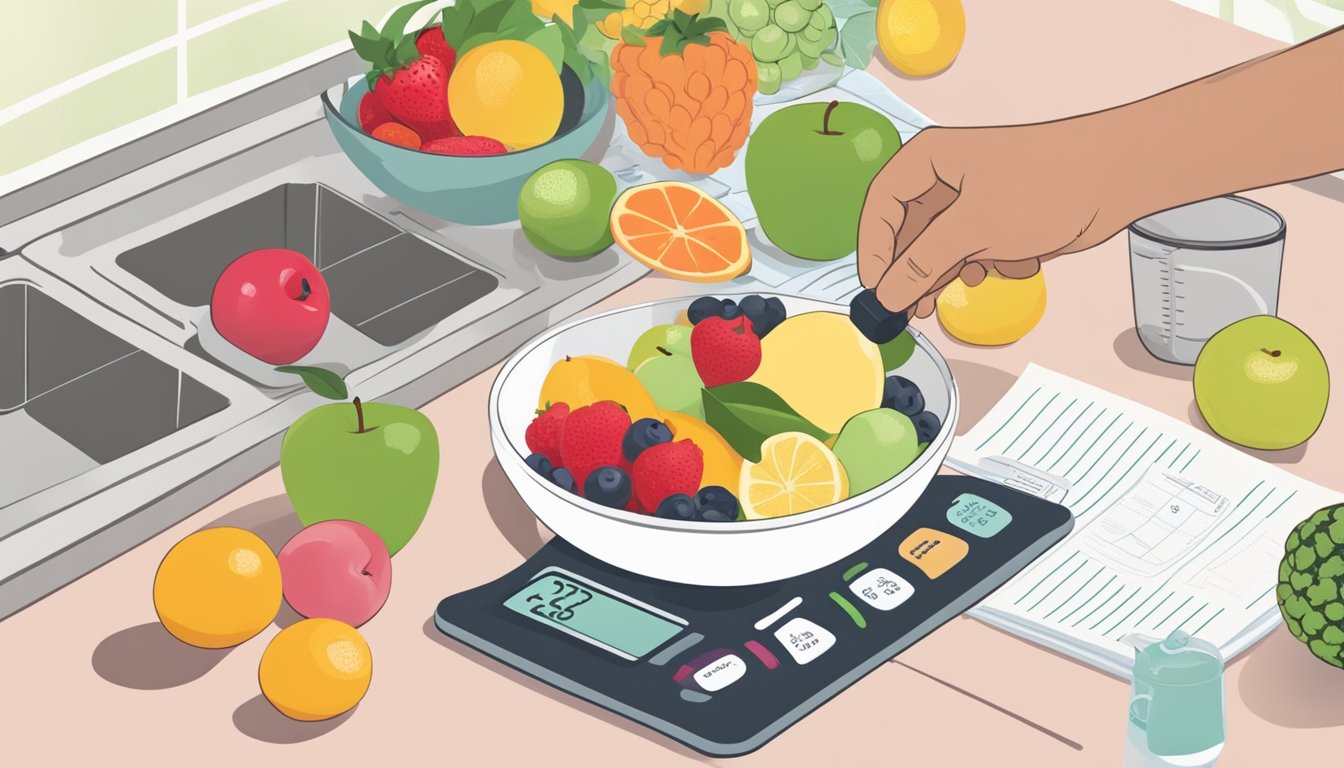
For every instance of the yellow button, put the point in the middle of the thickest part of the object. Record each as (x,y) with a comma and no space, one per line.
(934,552)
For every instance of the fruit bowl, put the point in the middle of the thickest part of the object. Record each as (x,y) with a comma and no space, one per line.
(695,552)
(465,190)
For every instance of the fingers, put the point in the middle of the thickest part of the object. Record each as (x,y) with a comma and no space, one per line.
(1017,270)
(942,248)
(907,176)
(973,273)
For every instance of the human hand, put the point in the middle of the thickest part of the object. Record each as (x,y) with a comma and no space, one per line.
(957,202)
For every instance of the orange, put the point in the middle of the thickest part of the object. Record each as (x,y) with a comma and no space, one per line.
(217,587)
(316,669)
(586,379)
(680,231)
(723,465)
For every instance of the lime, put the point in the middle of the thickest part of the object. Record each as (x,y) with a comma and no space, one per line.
(790,16)
(767,77)
(564,208)
(897,351)
(749,15)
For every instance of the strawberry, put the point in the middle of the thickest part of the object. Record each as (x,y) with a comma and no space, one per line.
(591,437)
(431,43)
(665,469)
(372,113)
(725,351)
(543,434)
(465,145)
(409,83)
(396,133)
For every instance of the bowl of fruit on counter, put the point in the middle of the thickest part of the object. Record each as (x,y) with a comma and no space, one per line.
(722,440)
(453,115)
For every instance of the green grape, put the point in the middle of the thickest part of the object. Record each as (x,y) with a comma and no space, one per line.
(749,15)
(810,5)
(774,3)
(822,18)
(767,77)
(790,16)
(770,44)
(790,66)
(810,33)
(832,58)
(809,62)
(732,28)
(809,47)
(828,39)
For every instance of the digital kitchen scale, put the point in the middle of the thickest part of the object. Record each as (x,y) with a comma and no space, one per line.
(725,669)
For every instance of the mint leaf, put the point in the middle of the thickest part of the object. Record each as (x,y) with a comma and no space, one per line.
(858,37)
(631,36)
(573,56)
(550,41)
(489,18)
(320,380)
(746,414)
(456,19)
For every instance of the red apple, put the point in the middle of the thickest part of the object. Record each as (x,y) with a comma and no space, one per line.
(271,303)
(336,569)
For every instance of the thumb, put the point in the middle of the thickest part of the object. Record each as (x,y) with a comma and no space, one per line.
(944,244)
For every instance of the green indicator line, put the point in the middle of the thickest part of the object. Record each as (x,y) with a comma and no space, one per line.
(1044,408)
(1160,603)
(1174,611)
(1066,431)
(1116,608)
(1164,450)
(1261,596)
(1088,450)
(1047,429)
(849,608)
(1046,578)
(1123,475)
(1281,503)
(1191,616)
(1189,460)
(1184,448)
(1101,456)
(1075,594)
(1083,604)
(1206,621)
(855,571)
(1099,606)
(1060,584)
(1010,418)
(1248,495)
(1076,438)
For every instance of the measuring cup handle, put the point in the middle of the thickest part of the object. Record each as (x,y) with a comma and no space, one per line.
(1138,709)
(1259,301)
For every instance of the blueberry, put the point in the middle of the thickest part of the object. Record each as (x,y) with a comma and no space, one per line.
(705,306)
(730,310)
(538,463)
(678,506)
(902,394)
(774,315)
(644,433)
(926,426)
(608,486)
(875,321)
(716,504)
(753,307)
(562,477)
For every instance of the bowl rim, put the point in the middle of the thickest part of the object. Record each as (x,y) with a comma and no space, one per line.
(358,82)
(937,448)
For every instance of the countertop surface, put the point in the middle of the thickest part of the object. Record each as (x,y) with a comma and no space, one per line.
(91,678)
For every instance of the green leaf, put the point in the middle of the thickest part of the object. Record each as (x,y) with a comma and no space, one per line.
(602,5)
(844,9)
(858,37)
(320,380)
(489,18)
(897,351)
(519,16)
(550,41)
(396,23)
(746,414)
(456,19)
(573,56)
(479,40)
(631,36)
(368,48)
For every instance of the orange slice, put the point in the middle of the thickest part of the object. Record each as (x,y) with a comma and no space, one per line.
(680,231)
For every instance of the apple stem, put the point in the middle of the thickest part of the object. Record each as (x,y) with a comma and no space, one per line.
(1271,352)
(664,351)
(305,290)
(826,120)
(359,415)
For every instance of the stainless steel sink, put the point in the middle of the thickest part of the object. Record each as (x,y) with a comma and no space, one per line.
(122,411)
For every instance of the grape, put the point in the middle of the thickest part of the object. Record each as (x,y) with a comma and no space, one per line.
(810,5)
(791,17)
(790,66)
(774,3)
(822,18)
(828,39)
(767,77)
(809,62)
(810,33)
(832,58)
(770,44)
(749,15)
(809,47)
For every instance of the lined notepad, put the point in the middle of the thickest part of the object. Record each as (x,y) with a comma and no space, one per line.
(1173,529)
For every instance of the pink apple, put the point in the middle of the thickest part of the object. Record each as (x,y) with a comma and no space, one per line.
(336,569)
(271,303)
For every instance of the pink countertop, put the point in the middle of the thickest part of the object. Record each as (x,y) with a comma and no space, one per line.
(91,679)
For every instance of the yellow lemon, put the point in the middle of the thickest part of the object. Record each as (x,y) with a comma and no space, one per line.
(548,9)
(217,587)
(509,91)
(920,37)
(797,473)
(316,669)
(997,311)
(587,379)
(723,465)
(823,368)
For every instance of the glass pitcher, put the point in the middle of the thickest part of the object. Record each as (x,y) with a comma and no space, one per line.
(1176,704)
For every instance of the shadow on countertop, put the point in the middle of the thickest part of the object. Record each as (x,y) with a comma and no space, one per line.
(980,387)
(272,518)
(1134,355)
(1286,456)
(258,719)
(510,515)
(1286,685)
(147,658)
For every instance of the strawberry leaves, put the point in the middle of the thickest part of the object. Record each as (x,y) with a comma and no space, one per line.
(472,23)
(681,29)
(391,48)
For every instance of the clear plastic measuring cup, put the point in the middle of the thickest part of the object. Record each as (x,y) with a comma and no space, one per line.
(1198,268)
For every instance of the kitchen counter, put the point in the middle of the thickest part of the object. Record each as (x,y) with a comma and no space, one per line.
(91,678)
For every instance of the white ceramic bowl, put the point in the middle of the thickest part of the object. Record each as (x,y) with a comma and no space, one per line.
(700,553)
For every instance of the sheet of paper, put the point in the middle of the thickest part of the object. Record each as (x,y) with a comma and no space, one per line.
(1173,529)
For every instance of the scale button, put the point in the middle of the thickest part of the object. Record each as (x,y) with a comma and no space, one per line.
(934,552)
(882,589)
(761,652)
(721,673)
(804,640)
(978,516)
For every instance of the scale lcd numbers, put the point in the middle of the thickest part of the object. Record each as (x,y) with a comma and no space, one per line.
(582,609)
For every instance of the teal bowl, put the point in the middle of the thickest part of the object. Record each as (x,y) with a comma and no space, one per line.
(466,190)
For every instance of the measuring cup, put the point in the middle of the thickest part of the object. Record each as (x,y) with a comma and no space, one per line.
(1176,703)
(1199,268)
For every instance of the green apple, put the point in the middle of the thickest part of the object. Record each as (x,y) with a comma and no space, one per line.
(875,446)
(673,383)
(672,338)
(373,463)
(1262,383)
(808,171)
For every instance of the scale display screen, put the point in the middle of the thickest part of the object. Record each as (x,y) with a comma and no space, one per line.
(580,609)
